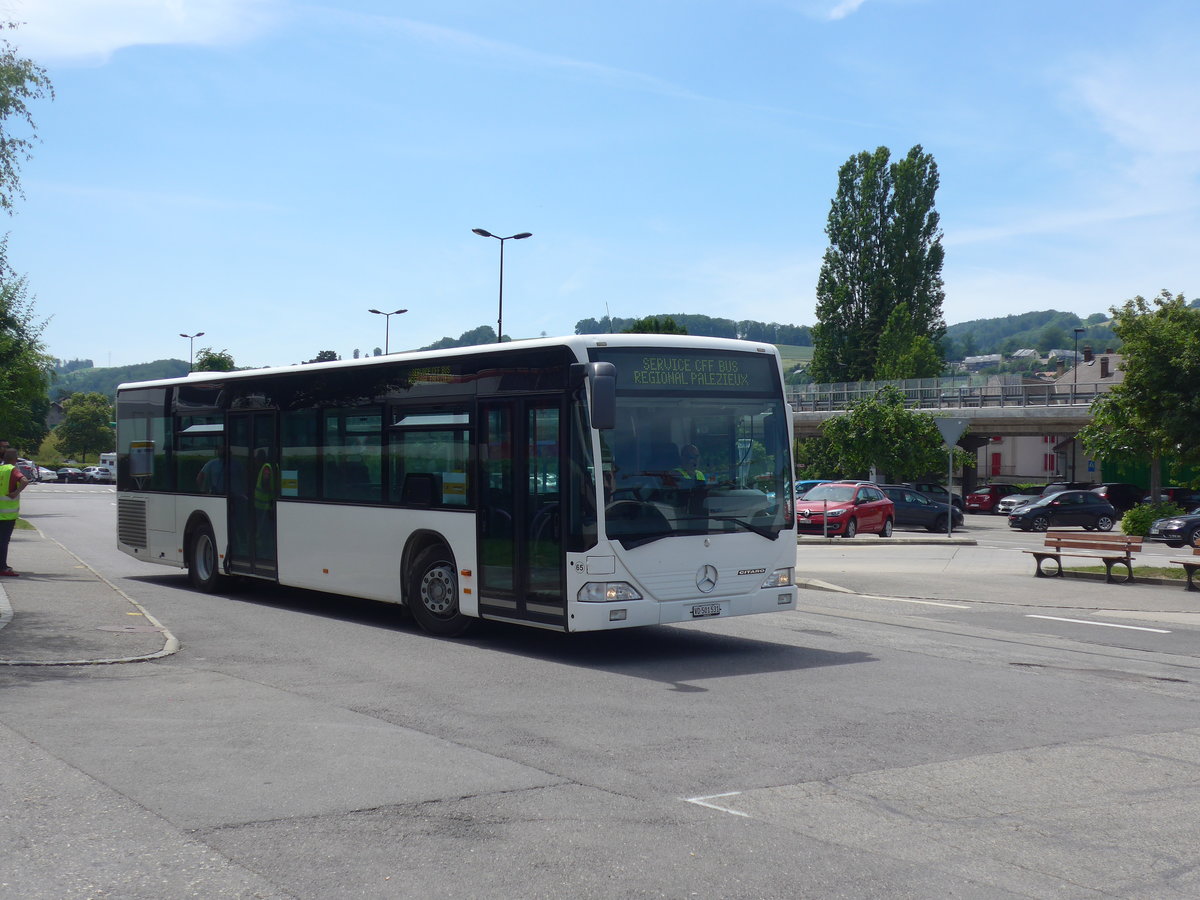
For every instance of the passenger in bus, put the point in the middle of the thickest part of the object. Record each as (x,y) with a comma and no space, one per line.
(211,477)
(689,463)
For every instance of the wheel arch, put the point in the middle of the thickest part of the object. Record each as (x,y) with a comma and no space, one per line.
(197,520)
(418,542)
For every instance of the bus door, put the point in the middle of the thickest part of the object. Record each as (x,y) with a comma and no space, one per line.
(253,488)
(520,517)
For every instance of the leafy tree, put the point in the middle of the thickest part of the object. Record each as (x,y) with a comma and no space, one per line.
(86,427)
(885,248)
(881,433)
(210,360)
(24,365)
(655,325)
(903,353)
(1154,413)
(21,81)
(323,356)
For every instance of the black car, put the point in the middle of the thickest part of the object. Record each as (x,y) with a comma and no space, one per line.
(1175,531)
(915,509)
(1057,487)
(1065,508)
(936,492)
(71,475)
(1122,496)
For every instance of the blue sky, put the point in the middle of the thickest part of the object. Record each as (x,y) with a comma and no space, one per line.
(265,171)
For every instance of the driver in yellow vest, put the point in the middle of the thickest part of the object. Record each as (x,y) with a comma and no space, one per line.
(12,482)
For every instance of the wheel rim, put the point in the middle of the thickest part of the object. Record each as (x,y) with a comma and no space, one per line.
(851,528)
(205,557)
(1194,540)
(1104,523)
(438,591)
(1041,523)
(887,528)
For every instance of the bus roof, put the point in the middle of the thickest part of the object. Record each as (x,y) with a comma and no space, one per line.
(578,343)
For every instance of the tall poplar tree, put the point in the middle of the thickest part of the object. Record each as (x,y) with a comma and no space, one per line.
(884,250)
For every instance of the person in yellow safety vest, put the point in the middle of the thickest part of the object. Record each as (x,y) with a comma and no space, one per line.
(689,462)
(12,482)
(264,507)
(264,484)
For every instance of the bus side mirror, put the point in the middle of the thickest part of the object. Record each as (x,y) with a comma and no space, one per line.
(603,378)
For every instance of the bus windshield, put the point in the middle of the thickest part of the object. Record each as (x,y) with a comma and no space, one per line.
(706,466)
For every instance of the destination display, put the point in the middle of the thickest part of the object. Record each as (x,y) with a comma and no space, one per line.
(665,370)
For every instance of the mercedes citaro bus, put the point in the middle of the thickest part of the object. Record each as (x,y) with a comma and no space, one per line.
(579,483)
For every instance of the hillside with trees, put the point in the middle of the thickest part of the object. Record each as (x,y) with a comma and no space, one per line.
(1043,331)
(105,380)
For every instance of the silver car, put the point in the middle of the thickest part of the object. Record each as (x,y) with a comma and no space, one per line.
(1014,501)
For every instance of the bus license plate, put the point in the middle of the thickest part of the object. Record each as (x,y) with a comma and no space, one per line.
(701,610)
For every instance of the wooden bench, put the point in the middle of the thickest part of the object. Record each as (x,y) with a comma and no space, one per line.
(1110,548)
(1190,566)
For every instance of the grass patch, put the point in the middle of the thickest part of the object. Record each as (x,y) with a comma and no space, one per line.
(1175,573)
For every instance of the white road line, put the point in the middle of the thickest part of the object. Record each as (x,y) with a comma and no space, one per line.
(1105,624)
(908,600)
(703,801)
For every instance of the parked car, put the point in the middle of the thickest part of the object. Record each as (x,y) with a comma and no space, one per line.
(913,509)
(99,475)
(1064,508)
(1180,496)
(845,508)
(1006,505)
(937,493)
(985,498)
(28,469)
(45,474)
(1175,531)
(71,475)
(1121,495)
(1055,487)
(805,484)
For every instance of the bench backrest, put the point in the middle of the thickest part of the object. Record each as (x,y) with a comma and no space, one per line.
(1074,540)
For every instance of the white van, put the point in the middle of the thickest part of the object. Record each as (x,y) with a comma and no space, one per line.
(109,459)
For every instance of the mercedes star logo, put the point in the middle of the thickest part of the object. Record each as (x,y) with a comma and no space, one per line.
(706,579)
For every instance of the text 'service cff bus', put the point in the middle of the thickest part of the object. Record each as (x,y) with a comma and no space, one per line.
(581,483)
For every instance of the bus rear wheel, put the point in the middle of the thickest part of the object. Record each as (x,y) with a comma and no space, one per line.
(433,593)
(203,561)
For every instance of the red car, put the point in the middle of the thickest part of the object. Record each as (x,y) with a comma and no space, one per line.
(984,499)
(845,508)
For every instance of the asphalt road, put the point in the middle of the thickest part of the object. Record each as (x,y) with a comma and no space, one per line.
(912,731)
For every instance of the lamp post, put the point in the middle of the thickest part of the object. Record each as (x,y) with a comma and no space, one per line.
(192,347)
(387,322)
(512,237)
(1074,391)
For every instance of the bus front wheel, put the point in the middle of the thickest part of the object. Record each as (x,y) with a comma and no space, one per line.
(433,593)
(203,561)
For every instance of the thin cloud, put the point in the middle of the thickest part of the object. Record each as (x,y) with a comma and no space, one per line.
(845,8)
(91,31)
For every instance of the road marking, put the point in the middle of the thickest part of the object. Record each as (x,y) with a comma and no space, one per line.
(909,600)
(703,801)
(1105,624)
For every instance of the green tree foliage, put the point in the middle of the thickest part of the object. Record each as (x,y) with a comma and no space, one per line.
(24,365)
(885,248)
(210,360)
(104,380)
(86,426)
(655,325)
(1154,413)
(880,432)
(484,334)
(21,82)
(325,356)
(903,353)
(706,326)
(1034,330)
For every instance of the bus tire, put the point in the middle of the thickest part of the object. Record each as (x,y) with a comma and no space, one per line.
(204,570)
(433,593)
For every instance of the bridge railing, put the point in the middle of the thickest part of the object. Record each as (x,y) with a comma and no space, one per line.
(935,393)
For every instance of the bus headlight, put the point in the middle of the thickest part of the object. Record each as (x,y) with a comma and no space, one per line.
(779,578)
(608,592)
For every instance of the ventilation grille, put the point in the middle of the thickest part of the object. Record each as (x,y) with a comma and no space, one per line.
(131,522)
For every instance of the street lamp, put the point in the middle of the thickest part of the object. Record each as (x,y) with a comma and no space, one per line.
(1074,391)
(387,322)
(512,237)
(192,347)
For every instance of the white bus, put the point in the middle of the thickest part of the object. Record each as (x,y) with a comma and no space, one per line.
(540,482)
